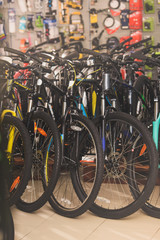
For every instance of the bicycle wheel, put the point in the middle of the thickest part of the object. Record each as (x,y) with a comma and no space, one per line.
(144,87)
(17,146)
(130,171)
(46,149)
(81,169)
(6,220)
(152,206)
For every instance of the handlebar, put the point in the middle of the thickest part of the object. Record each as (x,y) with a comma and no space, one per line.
(138,44)
(24,56)
(121,45)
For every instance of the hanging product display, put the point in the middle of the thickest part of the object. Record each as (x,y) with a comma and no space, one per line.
(12,20)
(24,44)
(135,20)
(93,18)
(124,18)
(22,5)
(109,21)
(135,5)
(149,6)
(112,42)
(29,5)
(114,4)
(50,28)
(30,22)
(63,12)
(136,37)
(111,24)
(75,4)
(39,20)
(38,4)
(22,24)
(148,24)
(2,30)
(76,27)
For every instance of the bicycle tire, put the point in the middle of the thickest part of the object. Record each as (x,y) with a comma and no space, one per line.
(19,156)
(6,220)
(116,198)
(46,148)
(144,87)
(64,199)
(152,205)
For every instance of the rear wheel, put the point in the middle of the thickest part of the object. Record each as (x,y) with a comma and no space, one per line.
(46,149)
(17,146)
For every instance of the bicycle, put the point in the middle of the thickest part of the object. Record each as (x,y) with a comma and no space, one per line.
(120,131)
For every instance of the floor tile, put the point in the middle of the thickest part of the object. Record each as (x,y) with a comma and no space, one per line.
(156,235)
(139,226)
(61,228)
(45,224)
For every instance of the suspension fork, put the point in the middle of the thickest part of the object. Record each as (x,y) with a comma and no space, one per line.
(12,131)
(156,124)
(103,121)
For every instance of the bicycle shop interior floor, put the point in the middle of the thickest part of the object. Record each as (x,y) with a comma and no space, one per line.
(47,225)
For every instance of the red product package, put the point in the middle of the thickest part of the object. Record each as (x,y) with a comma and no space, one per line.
(135,20)
(136,37)
(135,5)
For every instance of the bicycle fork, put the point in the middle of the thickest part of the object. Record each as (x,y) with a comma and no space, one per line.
(156,124)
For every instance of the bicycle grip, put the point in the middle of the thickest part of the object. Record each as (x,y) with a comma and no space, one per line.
(91,52)
(127,40)
(72,55)
(11,50)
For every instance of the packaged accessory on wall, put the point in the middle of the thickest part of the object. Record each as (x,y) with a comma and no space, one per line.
(24,44)
(114,28)
(149,6)
(63,12)
(124,18)
(93,18)
(111,24)
(114,4)
(22,5)
(30,22)
(29,5)
(135,20)
(2,30)
(39,20)
(136,37)
(112,42)
(38,4)
(76,4)
(135,5)
(76,27)
(22,24)
(12,20)
(109,21)
(50,28)
(148,24)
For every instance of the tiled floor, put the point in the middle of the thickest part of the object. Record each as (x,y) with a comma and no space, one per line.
(47,225)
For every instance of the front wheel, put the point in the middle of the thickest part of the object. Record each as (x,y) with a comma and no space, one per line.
(130,169)
(81,169)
